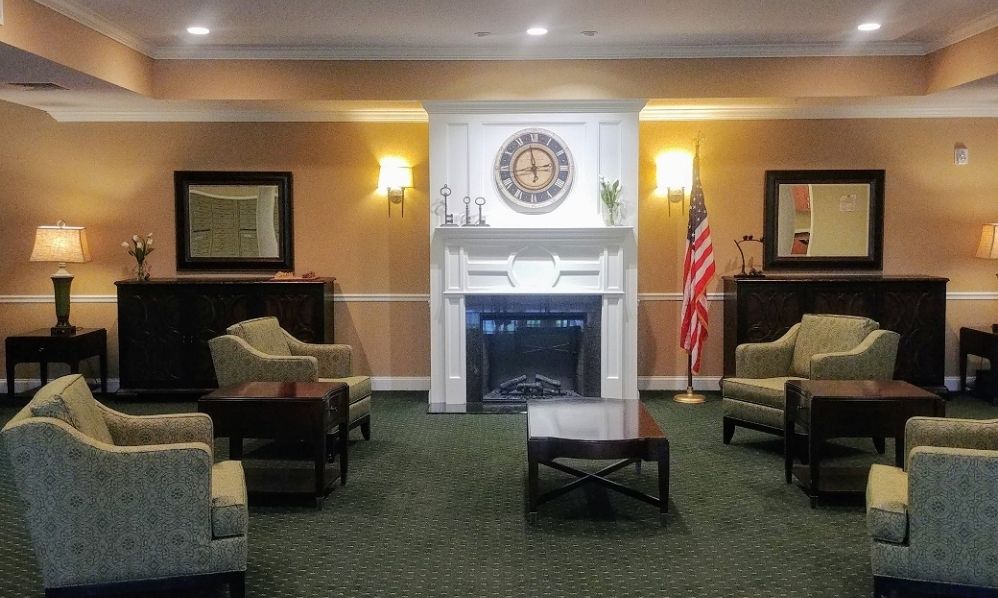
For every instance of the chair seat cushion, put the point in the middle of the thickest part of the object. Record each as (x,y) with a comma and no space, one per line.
(229,516)
(761,391)
(360,386)
(887,504)
(69,399)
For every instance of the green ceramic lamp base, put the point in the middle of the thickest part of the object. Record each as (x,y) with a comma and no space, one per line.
(62,282)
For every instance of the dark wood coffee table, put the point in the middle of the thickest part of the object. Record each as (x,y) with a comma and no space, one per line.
(825,409)
(593,429)
(310,411)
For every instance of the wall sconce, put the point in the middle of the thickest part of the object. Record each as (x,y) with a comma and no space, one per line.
(395,178)
(63,245)
(674,176)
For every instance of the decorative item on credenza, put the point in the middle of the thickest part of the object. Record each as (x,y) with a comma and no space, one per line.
(448,217)
(61,244)
(752,271)
(140,248)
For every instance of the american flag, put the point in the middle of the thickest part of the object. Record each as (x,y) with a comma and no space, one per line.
(698,269)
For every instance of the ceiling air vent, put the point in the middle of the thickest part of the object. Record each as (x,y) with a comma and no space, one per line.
(32,86)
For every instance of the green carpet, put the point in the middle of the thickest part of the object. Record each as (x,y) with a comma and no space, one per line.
(435,507)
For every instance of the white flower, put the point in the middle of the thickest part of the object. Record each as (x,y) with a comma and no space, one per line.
(135,238)
(125,244)
(138,245)
(148,242)
(149,235)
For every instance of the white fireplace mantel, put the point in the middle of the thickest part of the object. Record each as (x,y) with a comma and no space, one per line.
(566,251)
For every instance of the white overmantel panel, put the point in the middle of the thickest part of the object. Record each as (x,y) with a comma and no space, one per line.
(567,250)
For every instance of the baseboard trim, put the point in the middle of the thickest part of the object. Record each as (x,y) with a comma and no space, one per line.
(422,383)
(388,383)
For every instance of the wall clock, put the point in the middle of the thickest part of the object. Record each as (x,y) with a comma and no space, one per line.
(534,169)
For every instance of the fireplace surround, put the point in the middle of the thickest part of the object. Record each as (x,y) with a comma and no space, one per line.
(553,257)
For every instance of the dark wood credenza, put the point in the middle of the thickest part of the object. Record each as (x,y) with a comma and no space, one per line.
(763,309)
(164,324)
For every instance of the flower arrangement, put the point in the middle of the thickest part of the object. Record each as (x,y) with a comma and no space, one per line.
(140,248)
(610,194)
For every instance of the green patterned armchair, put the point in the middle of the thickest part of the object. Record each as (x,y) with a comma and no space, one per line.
(820,347)
(115,501)
(934,525)
(259,350)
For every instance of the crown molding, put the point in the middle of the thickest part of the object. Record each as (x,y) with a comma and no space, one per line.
(94,21)
(622,52)
(985,23)
(684,113)
(535,106)
(414,115)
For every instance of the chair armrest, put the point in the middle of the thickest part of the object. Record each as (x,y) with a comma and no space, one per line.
(236,361)
(170,428)
(887,504)
(766,360)
(334,359)
(950,432)
(872,359)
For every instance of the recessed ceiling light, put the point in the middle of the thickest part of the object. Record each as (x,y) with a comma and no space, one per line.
(483,33)
(589,33)
(537,31)
(869,27)
(198,30)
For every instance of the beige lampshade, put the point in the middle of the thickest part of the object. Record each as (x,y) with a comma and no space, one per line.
(61,244)
(988,248)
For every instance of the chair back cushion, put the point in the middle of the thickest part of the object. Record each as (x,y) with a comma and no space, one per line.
(263,334)
(826,333)
(69,399)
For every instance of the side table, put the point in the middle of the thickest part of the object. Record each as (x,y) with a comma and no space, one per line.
(825,409)
(983,343)
(42,347)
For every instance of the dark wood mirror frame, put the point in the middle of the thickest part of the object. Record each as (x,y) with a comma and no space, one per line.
(284,260)
(873,260)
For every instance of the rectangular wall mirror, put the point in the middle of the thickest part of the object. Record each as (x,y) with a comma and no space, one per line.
(824,220)
(234,220)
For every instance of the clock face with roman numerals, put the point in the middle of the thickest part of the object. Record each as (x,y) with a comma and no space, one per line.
(534,169)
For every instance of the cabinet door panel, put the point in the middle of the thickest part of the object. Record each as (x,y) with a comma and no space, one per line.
(299,313)
(150,340)
(210,314)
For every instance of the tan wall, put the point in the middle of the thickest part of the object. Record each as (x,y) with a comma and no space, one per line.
(116,179)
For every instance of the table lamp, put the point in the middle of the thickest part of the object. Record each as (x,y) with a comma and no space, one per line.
(61,244)
(988,249)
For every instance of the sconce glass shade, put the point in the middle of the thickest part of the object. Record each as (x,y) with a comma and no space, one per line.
(394,176)
(988,248)
(674,172)
(61,244)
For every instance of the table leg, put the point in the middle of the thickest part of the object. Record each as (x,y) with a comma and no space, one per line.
(663,482)
(789,426)
(10,378)
(963,363)
(532,487)
(899,449)
(813,449)
(102,360)
(74,367)
(43,369)
(343,442)
(320,467)
(235,448)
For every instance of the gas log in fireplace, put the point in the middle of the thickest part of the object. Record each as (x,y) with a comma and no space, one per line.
(532,346)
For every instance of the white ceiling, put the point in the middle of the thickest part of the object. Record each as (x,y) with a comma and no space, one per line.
(435,29)
(408,29)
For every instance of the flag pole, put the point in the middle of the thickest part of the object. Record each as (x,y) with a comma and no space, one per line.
(689,396)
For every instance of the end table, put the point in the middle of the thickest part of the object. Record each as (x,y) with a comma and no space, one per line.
(983,343)
(42,347)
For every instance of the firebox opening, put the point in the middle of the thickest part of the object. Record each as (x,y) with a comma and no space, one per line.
(523,347)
